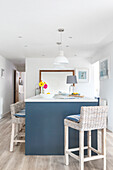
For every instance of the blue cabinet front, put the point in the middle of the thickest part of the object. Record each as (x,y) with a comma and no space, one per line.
(44,130)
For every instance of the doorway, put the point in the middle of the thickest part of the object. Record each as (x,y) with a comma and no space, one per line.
(19,86)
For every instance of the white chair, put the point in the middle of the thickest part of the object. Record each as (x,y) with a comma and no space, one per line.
(18,121)
(91,118)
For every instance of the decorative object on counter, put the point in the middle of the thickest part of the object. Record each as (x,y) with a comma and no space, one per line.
(71,80)
(82,75)
(43,86)
(76,95)
(48,96)
(37,91)
(62,93)
(104,69)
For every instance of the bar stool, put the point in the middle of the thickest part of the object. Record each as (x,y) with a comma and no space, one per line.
(18,122)
(90,118)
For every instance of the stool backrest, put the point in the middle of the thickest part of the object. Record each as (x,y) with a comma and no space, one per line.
(93,117)
(16,107)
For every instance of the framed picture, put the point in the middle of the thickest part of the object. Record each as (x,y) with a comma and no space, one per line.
(2,73)
(104,69)
(82,75)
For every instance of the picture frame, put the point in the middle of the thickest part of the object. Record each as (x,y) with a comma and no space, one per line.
(104,68)
(2,74)
(82,75)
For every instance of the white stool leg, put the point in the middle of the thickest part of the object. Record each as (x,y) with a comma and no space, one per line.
(99,140)
(89,142)
(104,147)
(12,137)
(20,127)
(81,151)
(66,145)
(17,131)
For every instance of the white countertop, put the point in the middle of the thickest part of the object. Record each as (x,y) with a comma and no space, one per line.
(64,99)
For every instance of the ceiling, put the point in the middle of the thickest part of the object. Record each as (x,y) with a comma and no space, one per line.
(28,28)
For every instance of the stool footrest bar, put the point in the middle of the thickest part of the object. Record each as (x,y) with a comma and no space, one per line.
(22,141)
(75,149)
(96,151)
(73,155)
(93,158)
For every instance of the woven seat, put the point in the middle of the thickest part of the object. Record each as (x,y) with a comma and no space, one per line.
(72,124)
(91,118)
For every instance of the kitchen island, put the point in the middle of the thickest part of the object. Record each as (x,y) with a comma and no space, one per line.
(44,130)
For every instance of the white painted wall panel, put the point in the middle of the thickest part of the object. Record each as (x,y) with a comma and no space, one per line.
(106,86)
(33,65)
(6,86)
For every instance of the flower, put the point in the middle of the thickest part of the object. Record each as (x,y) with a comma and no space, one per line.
(41,84)
(45,86)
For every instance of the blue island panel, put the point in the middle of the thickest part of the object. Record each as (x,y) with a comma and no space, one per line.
(44,130)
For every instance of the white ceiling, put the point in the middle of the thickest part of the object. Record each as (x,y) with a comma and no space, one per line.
(88,22)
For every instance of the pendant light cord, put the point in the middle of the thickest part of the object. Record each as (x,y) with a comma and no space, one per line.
(61,39)
(60,43)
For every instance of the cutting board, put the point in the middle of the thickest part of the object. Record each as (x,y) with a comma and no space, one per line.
(76,96)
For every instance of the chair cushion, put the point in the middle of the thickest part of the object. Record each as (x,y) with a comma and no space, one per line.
(20,115)
(75,118)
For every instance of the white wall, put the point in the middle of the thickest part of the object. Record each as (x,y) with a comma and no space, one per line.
(6,86)
(96,79)
(33,65)
(106,86)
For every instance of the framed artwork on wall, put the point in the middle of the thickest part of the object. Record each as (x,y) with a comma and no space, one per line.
(2,73)
(82,75)
(104,69)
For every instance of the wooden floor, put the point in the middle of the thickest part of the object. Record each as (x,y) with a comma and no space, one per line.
(18,161)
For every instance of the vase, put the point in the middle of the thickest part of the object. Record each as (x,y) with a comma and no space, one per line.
(42,90)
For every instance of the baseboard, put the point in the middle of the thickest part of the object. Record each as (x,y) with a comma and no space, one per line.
(5,114)
(110,128)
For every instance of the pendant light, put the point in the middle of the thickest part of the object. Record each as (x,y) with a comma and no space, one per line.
(60,59)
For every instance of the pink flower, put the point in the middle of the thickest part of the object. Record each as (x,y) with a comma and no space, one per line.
(45,86)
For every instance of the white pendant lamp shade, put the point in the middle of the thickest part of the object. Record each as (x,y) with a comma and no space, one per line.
(61,59)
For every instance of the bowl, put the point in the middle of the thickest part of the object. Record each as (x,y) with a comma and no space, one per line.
(47,95)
